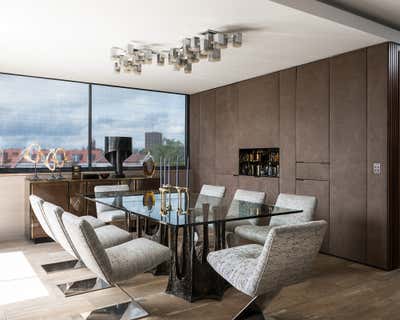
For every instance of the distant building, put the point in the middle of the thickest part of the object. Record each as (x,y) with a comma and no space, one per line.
(151,139)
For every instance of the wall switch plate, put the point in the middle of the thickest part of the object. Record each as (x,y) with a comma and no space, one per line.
(377,168)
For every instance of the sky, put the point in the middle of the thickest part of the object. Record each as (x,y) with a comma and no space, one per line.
(55,113)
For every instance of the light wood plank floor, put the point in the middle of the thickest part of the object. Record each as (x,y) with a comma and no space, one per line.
(338,289)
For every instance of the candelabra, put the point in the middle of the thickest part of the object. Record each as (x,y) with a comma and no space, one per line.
(185,192)
(165,191)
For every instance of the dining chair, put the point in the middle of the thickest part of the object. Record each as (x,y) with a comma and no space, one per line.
(260,272)
(258,234)
(115,264)
(37,208)
(240,199)
(109,214)
(210,194)
(212,197)
(108,235)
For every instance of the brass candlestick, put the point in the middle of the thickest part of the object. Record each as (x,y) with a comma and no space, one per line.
(169,189)
(163,209)
(180,191)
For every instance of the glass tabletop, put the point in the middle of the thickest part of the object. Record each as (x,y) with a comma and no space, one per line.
(192,209)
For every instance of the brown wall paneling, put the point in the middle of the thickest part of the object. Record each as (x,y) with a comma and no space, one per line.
(207,138)
(229,181)
(226,113)
(258,112)
(268,185)
(319,189)
(312,112)
(377,233)
(314,171)
(287,130)
(194,132)
(348,156)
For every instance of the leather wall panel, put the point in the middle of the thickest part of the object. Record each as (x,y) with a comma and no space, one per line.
(377,232)
(312,112)
(287,132)
(320,189)
(348,156)
(227,150)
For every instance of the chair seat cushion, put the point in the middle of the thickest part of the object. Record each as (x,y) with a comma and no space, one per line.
(110,236)
(236,265)
(253,233)
(94,222)
(134,257)
(111,215)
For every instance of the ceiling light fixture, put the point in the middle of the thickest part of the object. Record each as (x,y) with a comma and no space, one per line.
(208,45)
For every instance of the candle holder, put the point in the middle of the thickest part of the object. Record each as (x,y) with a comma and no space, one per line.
(163,209)
(180,191)
(169,188)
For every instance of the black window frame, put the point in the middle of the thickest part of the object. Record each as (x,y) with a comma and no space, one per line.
(89,168)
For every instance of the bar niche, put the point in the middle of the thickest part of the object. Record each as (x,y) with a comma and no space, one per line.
(259,162)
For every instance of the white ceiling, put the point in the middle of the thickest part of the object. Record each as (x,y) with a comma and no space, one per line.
(70,39)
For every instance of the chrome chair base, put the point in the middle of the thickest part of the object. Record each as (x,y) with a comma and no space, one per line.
(63,265)
(254,309)
(83,286)
(124,311)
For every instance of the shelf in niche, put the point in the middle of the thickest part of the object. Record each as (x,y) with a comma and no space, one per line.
(259,163)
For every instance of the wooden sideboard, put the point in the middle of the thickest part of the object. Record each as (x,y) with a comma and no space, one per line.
(66,194)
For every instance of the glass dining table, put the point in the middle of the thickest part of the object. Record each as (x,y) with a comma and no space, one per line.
(190,225)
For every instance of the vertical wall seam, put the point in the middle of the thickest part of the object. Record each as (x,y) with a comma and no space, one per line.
(366,155)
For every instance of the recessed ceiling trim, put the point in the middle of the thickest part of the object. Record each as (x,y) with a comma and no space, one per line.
(343,17)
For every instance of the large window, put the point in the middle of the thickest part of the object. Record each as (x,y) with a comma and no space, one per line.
(58,114)
(154,120)
(51,113)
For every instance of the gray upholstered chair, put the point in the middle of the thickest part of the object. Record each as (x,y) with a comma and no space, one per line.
(258,234)
(37,208)
(262,271)
(253,197)
(106,213)
(115,264)
(108,236)
(210,194)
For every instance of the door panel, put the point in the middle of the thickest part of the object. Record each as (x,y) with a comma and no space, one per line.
(312,112)
(319,189)
(348,156)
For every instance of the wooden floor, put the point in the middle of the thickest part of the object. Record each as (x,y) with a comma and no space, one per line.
(338,289)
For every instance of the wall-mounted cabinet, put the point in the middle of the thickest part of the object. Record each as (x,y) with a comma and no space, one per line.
(331,120)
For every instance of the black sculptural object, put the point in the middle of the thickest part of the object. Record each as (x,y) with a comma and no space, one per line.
(117,150)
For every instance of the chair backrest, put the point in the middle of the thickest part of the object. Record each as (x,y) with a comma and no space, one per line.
(287,256)
(293,201)
(88,246)
(210,194)
(54,214)
(212,191)
(37,208)
(253,197)
(108,188)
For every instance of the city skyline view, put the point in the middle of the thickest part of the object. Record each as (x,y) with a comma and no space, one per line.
(36,110)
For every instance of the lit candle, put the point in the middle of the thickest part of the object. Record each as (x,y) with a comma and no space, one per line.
(187,172)
(160,168)
(165,171)
(169,172)
(177,172)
